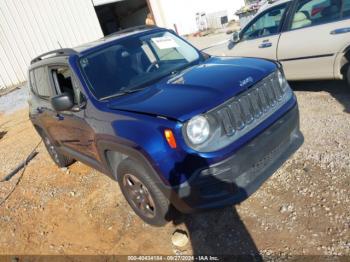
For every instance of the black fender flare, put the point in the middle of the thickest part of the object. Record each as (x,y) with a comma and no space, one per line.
(113,152)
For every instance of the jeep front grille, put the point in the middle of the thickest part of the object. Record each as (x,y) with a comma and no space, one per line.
(246,111)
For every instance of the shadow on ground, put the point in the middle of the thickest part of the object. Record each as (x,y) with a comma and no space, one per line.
(208,236)
(337,89)
(218,232)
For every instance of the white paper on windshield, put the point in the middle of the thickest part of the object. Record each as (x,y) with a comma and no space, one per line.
(164,42)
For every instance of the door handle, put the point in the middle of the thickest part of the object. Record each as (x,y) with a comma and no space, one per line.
(40,110)
(59,117)
(340,31)
(265,45)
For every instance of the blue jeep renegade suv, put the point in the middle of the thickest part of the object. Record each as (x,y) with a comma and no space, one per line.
(174,126)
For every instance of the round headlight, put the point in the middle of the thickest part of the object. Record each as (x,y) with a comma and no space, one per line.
(198,130)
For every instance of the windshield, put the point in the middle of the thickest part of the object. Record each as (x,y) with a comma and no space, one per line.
(132,63)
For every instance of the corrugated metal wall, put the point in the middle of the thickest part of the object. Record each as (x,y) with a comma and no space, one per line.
(31,27)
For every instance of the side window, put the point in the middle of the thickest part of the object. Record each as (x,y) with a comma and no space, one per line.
(346,9)
(43,88)
(315,12)
(268,23)
(32,82)
(64,83)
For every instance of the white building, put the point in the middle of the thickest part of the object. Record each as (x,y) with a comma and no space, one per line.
(181,14)
(31,27)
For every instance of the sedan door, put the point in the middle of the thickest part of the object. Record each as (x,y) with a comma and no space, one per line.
(318,30)
(260,37)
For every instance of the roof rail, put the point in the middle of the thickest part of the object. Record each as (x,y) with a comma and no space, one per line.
(58,52)
(132,29)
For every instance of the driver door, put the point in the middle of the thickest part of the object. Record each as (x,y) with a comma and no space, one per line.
(71,129)
(260,38)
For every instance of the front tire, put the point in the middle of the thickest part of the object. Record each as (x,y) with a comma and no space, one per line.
(144,197)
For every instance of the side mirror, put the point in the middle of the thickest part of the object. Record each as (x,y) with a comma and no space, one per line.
(236,37)
(205,55)
(234,40)
(63,102)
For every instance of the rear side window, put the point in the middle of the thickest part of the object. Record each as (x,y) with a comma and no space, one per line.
(39,82)
(346,9)
(32,82)
(315,12)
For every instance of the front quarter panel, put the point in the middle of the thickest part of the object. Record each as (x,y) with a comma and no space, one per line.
(146,134)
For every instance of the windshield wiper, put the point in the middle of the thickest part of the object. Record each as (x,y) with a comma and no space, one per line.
(123,93)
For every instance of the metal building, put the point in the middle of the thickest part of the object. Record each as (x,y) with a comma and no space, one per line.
(31,27)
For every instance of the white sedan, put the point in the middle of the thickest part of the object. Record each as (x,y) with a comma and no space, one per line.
(311,38)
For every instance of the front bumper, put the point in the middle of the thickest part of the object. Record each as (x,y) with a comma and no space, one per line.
(236,178)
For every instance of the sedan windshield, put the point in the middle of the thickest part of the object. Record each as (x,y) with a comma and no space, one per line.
(131,64)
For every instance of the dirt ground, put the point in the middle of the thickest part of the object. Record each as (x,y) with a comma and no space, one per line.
(302,209)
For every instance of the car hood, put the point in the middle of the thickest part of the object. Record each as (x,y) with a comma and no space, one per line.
(197,89)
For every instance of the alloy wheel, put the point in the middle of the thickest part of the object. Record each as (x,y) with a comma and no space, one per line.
(139,195)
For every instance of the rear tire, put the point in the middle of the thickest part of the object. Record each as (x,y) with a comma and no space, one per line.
(142,194)
(59,159)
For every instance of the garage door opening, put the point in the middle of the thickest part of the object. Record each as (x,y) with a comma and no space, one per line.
(122,14)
